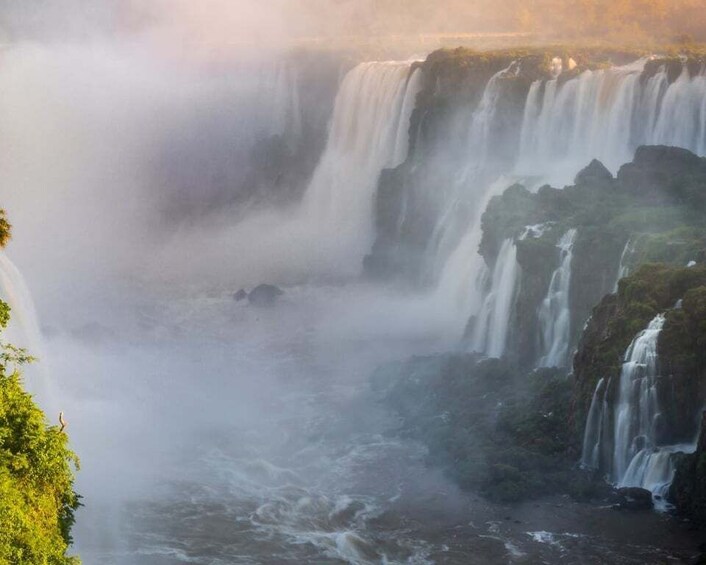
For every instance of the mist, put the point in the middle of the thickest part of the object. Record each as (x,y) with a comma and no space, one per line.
(158,157)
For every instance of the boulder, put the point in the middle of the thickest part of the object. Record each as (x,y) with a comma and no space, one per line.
(634,498)
(264,295)
(595,172)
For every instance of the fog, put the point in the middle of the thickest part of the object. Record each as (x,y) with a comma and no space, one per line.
(138,141)
(117,152)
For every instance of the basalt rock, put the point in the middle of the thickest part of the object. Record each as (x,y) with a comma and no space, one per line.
(264,295)
(634,498)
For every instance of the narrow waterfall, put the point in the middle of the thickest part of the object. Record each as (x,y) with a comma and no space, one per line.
(23,330)
(623,266)
(597,426)
(607,114)
(554,313)
(493,322)
(368,133)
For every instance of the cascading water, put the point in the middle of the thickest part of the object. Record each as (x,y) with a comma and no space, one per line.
(492,325)
(606,115)
(465,278)
(368,133)
(624,440)
(23,330)
(623,266)
(554,313)
(474,176)
(597,425)
(637,407)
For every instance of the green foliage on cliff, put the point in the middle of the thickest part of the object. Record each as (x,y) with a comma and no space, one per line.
(37,500)
(652,289)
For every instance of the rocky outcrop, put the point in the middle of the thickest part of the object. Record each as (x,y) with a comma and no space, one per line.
(264,295)
(633,498)
(688,490)
(615,322)
(658,212)
(493,429)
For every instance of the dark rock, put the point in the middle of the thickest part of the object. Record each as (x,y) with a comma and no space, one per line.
(240,295)
(595,172)
(688,490)
(634,498)
(264,295)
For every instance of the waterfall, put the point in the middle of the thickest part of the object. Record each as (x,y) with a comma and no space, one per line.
(475,184)
(464,280)
(282,114)
(23,330)
(604,114)
(623,266)
(607,114)
(597,426)
(368,133)
(554,313)
(624,440)
(493,322)
(638,404)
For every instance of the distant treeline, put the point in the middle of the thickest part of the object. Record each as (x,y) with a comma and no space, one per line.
(660,20)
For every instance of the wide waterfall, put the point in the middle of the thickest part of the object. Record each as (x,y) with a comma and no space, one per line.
(554,313)
(604,114)
(607,114)
(368,132)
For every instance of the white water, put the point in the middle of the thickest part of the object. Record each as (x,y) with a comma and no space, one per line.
(606,115)
(464,282)
(637,406)
(493,323)
(368,133)
(639,460)
(596,426)
(624,265)
(554,313)
(23,330)
(327,234)
(603,114)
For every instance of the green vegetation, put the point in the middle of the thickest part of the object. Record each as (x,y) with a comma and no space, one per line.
(37,500)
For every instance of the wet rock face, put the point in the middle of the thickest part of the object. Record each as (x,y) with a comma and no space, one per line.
(688,490)
(633,498)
